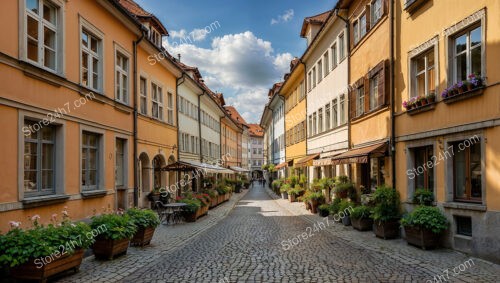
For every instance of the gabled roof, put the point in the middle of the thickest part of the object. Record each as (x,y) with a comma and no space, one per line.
(235,115)
(318,19)
(143,15)
(275,89)
(255,130)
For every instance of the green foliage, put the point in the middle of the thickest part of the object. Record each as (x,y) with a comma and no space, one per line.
(285,188)
(423,197)
(296,191)
(335,206)
(324,208)
(302,180)
(386,204)
(361,212)
(346,206)
(318,196)
(192,204)
(143,218)
(114,226)
(427,217)
(212,193)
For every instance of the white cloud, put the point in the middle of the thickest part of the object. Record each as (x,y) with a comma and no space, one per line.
(241,64)
(285,17)
(178,34)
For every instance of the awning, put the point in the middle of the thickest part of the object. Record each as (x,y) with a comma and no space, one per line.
(281,165)
(360,155)
(323,162)
(307,161)
(193,166)
(238,169)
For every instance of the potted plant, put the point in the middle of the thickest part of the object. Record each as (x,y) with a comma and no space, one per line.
(423,100)
(315,199)
(386,213)
(191,209)
(294,193)
(39,252)
(476,81)
(115,239)
(345,207)
(423,197)
(334,209)
(213,197)
(360,218)
(146,221)
(431,97)
(284,191)
(424,226)
(324,210)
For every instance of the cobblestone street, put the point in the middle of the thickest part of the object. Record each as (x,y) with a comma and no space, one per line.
(246,246)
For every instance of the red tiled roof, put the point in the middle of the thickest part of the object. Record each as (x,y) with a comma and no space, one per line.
(255,130)
(136,10)
(275,89)
(317,19)
(233,113)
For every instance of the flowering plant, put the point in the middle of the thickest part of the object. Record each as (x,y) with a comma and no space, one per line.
(143,218)
(58,238)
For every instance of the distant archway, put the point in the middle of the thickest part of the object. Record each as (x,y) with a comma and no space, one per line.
(159,176)
(144,181)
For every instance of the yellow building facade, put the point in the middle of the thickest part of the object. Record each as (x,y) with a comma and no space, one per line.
(293,90)
(447,144)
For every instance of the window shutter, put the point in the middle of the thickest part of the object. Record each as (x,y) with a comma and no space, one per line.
(367,94)
(381,87)
(352,103)
(368,18)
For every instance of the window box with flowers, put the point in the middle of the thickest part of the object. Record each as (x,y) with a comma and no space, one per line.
(473,86)
(420,104)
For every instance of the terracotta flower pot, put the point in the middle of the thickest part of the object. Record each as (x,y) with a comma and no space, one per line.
(109,249)
(32,271)
(143,236)
(292,198)
(314,206)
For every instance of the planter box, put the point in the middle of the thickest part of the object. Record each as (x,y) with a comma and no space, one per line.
(109,249)
(308,205)
(190,216)
(143,236)
(386,229)
(201,211)
(424,108)
(346,220)
(323,213)
(214,202)
(292,198)
(30,270)
(362,224)
(220,199)
(421,237)
(464,95)
(284,195)
(226,197)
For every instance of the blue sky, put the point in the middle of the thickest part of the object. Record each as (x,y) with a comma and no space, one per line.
(248,49)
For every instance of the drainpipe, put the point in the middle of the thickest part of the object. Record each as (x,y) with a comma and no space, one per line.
(307,130)
(393,76)
(199,124)
(136,177)
(179,82)
(348,49)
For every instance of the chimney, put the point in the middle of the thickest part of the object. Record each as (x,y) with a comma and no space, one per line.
(179,57)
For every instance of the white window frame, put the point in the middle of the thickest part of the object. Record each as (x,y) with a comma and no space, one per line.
(320,70)
(334,55)
(143,95)
(158,101)
(170,108)
(326,63)
(123,97)
(100,178)
(58,28)
(341,46)
(95,32)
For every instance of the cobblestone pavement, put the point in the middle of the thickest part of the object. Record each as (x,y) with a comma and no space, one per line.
(251,245)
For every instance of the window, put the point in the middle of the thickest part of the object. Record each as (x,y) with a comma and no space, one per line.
(90,161)
(341,47)
(302,93)
(464,225)
(467,171)
(467,56)
(310,125)
(320,120)
(334,55)
(343,112)
(424,180)
(143,96)
(359,28)
(423,74)
(355,28)
(120,163)
(320,70)
(374,92)
(309,80)
(315,124)
(326,61)
(157,101)
(327,117)
(42,34)
(360,101)
(170,108)
(39,160)
(91,61)
(314,77)
(155,36)
(376,11)
(121,84)
(335,113)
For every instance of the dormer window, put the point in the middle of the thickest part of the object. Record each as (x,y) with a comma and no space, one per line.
(155,36)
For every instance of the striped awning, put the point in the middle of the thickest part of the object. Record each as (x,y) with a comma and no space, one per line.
(307,161)
(360,155)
